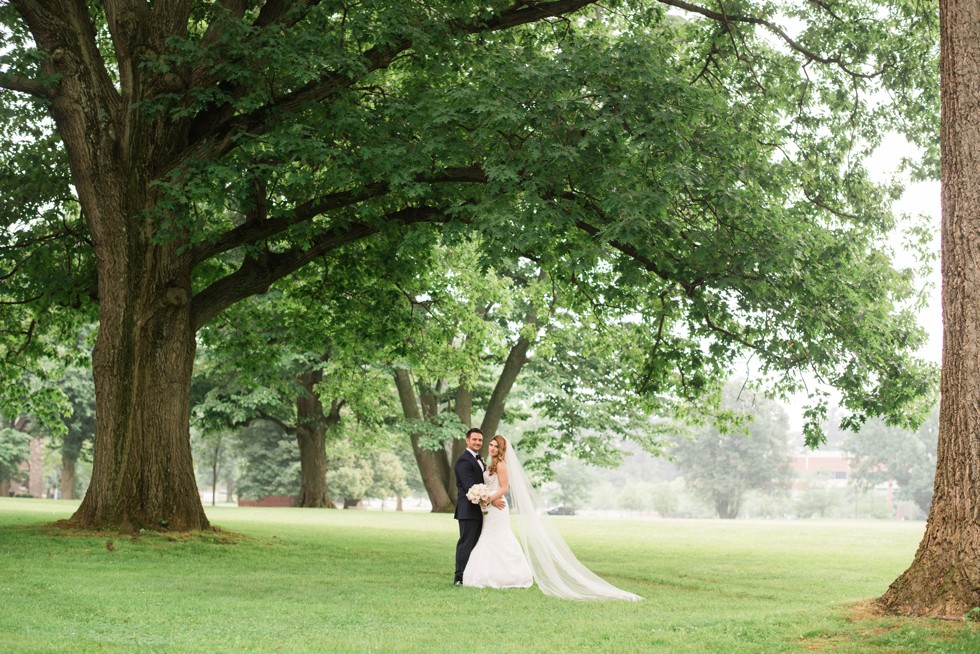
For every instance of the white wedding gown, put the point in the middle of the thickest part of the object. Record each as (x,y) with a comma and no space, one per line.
(497,561)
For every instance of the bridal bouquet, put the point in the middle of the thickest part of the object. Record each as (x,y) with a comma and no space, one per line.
(479,494)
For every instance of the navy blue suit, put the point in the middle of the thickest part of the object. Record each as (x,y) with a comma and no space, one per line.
(469,515)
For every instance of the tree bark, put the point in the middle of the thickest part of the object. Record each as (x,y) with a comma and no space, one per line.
(516,359)
(433,464)
(944,578)
(311,436)
(143,474)
(67,486)
(464,411)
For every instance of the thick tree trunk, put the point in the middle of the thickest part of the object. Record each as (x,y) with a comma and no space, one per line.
(142,472)
(311,436)
(944,578)
(143,475)
(313,469)
(433,464)
(67,486)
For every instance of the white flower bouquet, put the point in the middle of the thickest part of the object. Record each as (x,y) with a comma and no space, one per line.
(479,494)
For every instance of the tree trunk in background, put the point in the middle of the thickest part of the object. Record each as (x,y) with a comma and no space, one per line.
(944,578)
(229,488)
(67,487)
(464,411)
(35,467)
(311,436)
(433,464)
(516,359)
(727,506)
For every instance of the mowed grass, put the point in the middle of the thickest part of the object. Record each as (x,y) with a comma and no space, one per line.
(295,580)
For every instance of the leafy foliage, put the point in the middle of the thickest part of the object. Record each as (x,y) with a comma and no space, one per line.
(361,474)
(270,461)
(708,172)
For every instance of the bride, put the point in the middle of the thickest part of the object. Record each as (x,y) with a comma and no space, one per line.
(498,561)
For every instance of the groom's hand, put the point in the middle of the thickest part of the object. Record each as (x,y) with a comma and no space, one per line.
(500,503)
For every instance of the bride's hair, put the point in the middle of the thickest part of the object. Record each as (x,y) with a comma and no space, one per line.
(501,453)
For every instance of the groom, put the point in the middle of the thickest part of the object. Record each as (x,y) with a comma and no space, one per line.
(469,471)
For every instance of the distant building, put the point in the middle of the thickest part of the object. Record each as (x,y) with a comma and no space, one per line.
(830,469)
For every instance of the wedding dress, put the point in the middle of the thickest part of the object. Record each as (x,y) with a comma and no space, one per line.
(497,560)
(553,566)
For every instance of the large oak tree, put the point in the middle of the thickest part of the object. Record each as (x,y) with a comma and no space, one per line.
(168,159)
(944,579)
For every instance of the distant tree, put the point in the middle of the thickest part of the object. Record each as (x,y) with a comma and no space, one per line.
(270,462)
(633,497)
(388,477)
(880,453)
(213,450)
(663,498)
(720,465)
(818,502)
(351,481)
(571,484)
(76,441)
(358,474)
(14,444)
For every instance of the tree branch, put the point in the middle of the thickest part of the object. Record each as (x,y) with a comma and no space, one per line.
(289,429)
(254,231)
(256,274)
(273,12)
(727,19)
(23,85)
(522,13)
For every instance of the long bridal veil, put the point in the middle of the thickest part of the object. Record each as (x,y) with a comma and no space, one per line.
(556,570)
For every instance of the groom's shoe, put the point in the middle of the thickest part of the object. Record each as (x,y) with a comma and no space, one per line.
(458,582)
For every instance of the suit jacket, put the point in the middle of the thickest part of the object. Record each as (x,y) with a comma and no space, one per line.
(468,474)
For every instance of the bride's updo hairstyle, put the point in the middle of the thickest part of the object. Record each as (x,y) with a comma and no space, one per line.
(501,453)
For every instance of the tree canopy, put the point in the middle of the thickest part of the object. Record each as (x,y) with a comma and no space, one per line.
(171,159)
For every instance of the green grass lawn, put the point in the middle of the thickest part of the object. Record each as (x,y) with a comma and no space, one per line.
(300,580)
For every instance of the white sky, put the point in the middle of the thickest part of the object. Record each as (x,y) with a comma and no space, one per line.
(919,198)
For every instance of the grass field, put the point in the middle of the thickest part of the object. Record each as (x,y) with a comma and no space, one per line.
(295,580)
